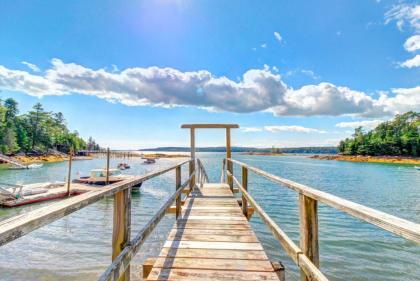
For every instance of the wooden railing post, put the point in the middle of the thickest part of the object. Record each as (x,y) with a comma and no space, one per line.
(230,175)
(69,174)
(308,231)
(245,186)
(192,162)
(107,166)
(122,226)
(178,185)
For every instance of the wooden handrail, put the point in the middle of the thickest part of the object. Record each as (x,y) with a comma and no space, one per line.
(393,224)
(210,126)
(21,225)
(120,264)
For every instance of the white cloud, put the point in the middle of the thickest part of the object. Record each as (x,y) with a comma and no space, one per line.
(365,123)
(257,90)
(404,14)
(414,62)
(298,129)
(278,36)
(413,43)
(264,45)
(250,129)
(32,66)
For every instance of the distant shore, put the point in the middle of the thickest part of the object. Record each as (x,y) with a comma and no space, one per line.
(371,159)
(263,153)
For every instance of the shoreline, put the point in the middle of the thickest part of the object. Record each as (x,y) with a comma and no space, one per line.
(402,160)
(262,153)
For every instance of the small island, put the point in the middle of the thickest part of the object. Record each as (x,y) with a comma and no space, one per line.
(396,141)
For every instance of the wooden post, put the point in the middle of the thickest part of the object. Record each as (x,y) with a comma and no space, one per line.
(192,163)
(122,226)
(178,185)
(107,166)
(69,175)
(229,155)
(308,230)
(245,186)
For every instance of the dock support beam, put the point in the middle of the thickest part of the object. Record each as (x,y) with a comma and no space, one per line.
(107,166)
(192,163)
(178,185)
(122,226)
(229,163)
(308,210)
(245,186)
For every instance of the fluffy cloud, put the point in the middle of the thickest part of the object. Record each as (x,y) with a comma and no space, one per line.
(278,36)
(250,129)
(32,66)
(414,62)
(257,90)
(366,123)
(413,43)
(298,129)
(404,14)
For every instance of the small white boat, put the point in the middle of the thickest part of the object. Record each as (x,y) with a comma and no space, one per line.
(34,166)
(149,161)
(417,167)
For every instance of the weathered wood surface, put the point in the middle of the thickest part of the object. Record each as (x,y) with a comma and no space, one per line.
(212,240)
(393,224)
(209,126)
(308,268)
(20,225)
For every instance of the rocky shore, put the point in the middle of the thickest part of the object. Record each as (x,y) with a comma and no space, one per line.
(370,159)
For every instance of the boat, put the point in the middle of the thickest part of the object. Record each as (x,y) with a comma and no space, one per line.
(123,166)
(14,195)
(417,167)
(149,161)
(34,166)
(98,177)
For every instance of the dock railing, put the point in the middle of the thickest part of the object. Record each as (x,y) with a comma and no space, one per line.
(306,256)
(123,247)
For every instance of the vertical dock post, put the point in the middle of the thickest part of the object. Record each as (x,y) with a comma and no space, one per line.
(229,155)
(245,186)
(178,185)
(192,163)
(107,166)
(121,226)
(69,175)
(308,210)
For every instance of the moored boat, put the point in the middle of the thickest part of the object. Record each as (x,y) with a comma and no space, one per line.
(149,161)
(98,177)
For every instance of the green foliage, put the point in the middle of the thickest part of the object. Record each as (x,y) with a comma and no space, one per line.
(396,137)
(36,131)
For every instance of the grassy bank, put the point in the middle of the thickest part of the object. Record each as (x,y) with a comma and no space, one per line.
(371,159)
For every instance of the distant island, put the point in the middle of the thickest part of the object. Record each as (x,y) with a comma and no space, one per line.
(251,150)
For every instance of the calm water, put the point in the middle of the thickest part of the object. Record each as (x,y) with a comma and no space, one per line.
(78,247)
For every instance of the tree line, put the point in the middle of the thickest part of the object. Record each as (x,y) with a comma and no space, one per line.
(37,131)
(399,136)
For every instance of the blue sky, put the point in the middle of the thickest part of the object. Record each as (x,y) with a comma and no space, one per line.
(290,73)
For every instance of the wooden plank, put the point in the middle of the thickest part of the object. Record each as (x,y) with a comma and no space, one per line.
(209,126)
(180,236)
(217,213)
(210,263)
(225,218)
(245,186)
(214,253)
(178,186)
(212,231)
(200,225)
(205,275)
(212,245)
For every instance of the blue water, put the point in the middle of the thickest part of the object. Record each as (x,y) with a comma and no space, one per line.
(78,247)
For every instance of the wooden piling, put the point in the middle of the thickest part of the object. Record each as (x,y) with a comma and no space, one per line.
(178,185)
(121,226)
(69,174)
(107,165)
(245,186)
(308,231)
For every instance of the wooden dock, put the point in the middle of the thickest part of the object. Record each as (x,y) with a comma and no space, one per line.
(212,240)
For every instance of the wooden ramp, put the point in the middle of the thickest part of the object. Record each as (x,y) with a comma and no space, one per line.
(212,240)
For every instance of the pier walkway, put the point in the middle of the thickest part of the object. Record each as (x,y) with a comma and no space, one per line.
(212,240)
